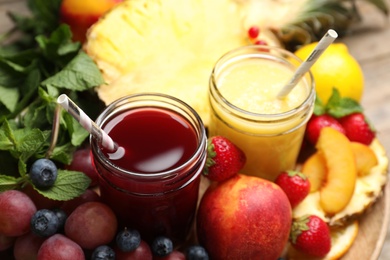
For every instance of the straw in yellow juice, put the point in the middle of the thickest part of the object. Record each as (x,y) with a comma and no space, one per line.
(246,110)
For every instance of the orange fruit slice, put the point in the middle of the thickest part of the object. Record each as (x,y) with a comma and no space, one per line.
(340,183)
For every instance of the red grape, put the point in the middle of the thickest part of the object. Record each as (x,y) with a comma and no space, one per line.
(40,201)
(6,242)
(26,247)
(16,211)
(142,252)
(174,255)
(59,247)
(82,162)
(91,224)
(88,196)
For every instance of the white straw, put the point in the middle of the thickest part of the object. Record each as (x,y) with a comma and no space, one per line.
(86,122)
(305,66)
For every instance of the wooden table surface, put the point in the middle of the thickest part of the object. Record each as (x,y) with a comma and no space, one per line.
(368,42)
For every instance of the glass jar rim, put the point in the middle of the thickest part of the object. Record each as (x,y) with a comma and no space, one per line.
(197,125)
(264,50)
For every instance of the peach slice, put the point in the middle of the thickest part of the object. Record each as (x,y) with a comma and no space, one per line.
(315,170)
(340,183)
(365,158)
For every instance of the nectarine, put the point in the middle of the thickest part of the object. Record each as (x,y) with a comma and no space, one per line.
(80,15)
(245,217)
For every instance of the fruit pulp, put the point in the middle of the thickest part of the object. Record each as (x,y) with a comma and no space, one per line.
(268,129)
(158,194)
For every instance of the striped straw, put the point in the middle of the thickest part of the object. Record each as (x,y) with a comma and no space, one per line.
(305,66)
(86,122)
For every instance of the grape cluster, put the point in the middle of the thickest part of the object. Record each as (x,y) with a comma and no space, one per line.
(35,227)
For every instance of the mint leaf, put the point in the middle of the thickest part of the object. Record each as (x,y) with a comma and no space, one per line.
(319,108)
(22,167)
(338,106)
(63,153)
(80,74)
(5,142)
(69,185)
(8,182)
(8,133)
(59,44)
(9,97)
(77,133)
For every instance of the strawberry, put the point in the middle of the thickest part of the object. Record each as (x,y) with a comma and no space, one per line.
(316,123)
(357,128)
(224,159)
(311,235)
(295,184)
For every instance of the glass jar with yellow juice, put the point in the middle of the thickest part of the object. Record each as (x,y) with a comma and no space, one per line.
(244,86)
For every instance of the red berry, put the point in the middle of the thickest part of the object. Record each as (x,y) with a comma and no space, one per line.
(316,123)
(295,184)
(311,235)
(261,42)
(253,32)
(357,128)
(224,159)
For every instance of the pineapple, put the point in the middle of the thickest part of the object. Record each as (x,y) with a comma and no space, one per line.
(368,189)
(170,46)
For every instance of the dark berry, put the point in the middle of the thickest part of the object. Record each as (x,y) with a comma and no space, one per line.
(44,223)
(197,253)
(43,173)
(103,253)
(62,216)
(162,246)
(128,240)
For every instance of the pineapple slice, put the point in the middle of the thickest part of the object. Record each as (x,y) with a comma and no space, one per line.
(368,189)
(170,46)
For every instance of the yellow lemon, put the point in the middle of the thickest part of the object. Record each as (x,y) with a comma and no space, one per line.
(335,68)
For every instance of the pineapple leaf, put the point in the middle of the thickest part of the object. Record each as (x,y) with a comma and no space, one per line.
(381,5)
(318,16)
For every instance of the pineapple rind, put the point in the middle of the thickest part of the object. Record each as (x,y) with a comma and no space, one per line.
(367,190)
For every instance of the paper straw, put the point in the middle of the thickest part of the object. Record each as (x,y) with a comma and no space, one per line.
(305,66)
(86,122)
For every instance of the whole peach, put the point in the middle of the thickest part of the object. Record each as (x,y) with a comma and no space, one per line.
(80,15)
(245,217)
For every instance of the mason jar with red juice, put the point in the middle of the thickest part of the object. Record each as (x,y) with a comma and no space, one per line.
(152,180)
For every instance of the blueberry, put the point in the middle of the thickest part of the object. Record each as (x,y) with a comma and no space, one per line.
(128,240)
(43,173)
(162,246)
(44,223)
(103,253)
(197,253)
(62,216)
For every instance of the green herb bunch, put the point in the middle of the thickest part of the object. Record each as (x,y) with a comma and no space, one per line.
(38,62)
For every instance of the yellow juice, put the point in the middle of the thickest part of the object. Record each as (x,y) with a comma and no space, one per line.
(245,108)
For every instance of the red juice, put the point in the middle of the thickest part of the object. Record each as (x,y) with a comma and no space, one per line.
(152,183)
(154,140)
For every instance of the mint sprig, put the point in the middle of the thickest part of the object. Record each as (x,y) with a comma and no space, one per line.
(35,68)
(68,185)
(337,106)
